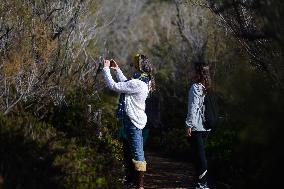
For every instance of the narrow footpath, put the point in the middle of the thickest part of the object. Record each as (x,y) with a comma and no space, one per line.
(167,173)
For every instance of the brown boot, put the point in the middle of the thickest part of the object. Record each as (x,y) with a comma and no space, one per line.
(140,168)
(139,179)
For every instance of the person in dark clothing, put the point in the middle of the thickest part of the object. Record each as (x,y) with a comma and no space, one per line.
(195,121)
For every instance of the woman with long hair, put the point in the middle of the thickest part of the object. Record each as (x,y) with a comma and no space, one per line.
(200,83)
(131,113)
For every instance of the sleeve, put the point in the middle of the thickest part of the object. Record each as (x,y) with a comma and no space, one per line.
(120,76)
(192,106)
(128,87)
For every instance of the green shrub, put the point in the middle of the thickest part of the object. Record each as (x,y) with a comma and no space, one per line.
(63,150)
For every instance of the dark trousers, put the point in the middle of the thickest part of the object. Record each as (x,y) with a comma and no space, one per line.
(198,141)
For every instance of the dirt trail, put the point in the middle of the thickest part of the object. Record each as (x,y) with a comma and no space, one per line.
(167,173)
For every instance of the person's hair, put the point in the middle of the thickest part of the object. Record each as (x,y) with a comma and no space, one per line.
(202,74)
(145,66)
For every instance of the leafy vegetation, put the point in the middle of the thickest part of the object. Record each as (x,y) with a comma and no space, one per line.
(64,150)
(57,121)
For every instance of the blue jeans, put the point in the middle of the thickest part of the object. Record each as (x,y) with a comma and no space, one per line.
(135,140)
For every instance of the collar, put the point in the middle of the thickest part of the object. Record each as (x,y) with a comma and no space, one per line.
(142,76)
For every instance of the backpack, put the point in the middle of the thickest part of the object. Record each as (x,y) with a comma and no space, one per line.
(211,111)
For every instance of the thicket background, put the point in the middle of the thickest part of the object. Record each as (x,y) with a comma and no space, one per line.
(57,119)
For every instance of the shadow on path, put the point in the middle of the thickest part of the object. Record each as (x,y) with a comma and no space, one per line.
(167,173)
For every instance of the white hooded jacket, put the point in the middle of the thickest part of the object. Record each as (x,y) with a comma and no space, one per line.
(136,92)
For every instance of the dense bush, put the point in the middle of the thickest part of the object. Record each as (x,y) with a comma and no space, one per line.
(64,150)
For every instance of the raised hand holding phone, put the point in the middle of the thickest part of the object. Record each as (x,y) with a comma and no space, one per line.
(113,64)
(106,63)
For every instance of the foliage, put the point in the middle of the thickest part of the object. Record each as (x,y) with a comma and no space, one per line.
(44,50)
(251,24)
(171,142)
(52,134)
(254,119)
(64,150)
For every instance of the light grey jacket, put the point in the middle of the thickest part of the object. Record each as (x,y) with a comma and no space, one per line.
(195,114)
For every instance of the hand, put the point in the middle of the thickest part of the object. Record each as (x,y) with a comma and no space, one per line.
(106,63)
(188,131)
(114,64)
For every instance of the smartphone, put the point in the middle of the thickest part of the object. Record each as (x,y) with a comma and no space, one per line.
(112,64)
